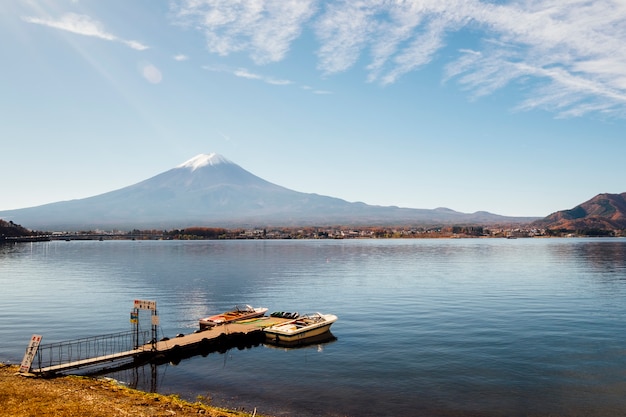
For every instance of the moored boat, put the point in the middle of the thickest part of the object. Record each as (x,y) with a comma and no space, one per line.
(317,342)
(301,328)
(238,313)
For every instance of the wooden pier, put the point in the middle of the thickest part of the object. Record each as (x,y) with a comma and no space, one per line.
(219,338)
(48,370)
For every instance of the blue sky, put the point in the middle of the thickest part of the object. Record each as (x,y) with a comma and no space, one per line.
(517,108)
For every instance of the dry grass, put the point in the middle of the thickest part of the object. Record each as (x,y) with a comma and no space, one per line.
(73,396)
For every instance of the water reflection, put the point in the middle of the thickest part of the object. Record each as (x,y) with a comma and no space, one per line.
(149,376)
(608,258)
(316,342)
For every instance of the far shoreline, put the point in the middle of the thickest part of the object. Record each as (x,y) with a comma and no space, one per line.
(316,233)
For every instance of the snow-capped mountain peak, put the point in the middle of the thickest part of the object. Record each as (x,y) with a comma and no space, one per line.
(203,160)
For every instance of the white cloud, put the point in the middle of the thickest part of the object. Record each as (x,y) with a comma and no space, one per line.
(180,57)
(275,81)
(569,54)
(244,73)
(264,28)
(83,25)
(344,31)
(571,49)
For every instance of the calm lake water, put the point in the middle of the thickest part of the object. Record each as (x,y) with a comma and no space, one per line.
(459,327)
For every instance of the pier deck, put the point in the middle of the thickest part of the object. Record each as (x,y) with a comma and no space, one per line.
(88,362)
(218,336)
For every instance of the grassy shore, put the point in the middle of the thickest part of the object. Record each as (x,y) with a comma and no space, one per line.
(74,396)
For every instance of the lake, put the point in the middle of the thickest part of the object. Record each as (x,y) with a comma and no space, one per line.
(441,327)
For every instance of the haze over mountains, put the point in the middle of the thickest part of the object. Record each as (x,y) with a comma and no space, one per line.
(210,190)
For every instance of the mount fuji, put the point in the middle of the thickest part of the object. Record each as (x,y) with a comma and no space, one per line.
(210,190)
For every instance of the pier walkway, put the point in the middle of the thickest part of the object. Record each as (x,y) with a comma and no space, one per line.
(81,363)
(218,338)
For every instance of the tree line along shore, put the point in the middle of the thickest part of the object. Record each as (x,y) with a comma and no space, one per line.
(10,232)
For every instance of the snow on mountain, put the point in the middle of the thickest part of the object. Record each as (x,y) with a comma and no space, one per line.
(202,160)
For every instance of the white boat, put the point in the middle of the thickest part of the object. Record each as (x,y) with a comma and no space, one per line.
(315,342)
(238,313)
(301,328)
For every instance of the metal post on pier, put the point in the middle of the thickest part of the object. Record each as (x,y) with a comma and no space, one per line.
(155,325)
(134,320)
(146,305)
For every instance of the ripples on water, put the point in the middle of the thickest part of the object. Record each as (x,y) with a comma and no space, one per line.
(475,327)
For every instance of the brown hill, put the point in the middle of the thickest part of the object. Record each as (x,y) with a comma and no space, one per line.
(602,212)
(10,229)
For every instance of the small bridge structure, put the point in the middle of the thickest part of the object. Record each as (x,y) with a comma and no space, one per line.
(94,351)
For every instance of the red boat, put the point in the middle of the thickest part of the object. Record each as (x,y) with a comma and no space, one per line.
(238,313)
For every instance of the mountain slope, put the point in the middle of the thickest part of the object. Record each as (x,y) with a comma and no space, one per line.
(604,211)
(211,190)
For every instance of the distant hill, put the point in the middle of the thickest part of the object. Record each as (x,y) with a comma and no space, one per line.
(210,190)
(10,229)
(602,212)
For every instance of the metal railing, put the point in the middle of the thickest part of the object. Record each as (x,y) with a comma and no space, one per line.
(90,347)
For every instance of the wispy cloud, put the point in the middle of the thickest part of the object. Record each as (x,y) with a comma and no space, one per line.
(264,28)
(180,57)
(315,91)
(570,49)
(569,54)
(244,73)
(224,136)
(83,25)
